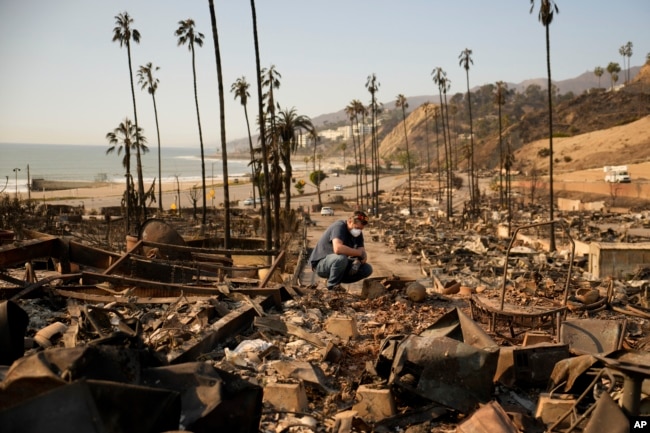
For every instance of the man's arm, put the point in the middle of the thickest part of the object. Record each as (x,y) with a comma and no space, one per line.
(340,248)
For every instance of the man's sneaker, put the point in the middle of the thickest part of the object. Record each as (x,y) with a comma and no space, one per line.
(337,288)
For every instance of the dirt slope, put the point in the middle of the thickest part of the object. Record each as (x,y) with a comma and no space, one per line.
(583,156)
(593,129)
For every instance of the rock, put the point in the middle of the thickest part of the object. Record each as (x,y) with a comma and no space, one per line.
(416,292)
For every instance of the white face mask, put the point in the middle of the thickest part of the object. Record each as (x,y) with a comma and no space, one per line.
(355,232)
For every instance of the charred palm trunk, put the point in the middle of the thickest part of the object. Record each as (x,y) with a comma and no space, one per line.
(550,141)
(222,121)
(260,100)
(142,206)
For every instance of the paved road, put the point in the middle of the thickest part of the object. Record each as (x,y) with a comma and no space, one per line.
(96,198)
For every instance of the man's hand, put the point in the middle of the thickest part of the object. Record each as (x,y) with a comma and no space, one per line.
(363,257)
(355,267)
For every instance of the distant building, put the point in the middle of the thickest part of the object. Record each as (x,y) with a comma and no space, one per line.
(341,133)
(345,132)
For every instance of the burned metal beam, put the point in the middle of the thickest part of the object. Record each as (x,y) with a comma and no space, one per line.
(132,298)
(165,288)
(229,252)
(222,330)
(20,252)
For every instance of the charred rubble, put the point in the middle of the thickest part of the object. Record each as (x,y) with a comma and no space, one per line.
(491,333)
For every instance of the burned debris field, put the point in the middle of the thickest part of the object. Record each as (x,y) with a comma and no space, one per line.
(463,325)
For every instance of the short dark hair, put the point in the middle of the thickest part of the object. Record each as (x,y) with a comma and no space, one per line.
(360,216)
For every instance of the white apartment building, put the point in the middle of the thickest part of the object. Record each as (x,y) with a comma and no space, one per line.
(345,132)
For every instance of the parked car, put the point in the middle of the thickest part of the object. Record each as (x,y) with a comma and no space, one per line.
(338,187)
(327,211)
(249,201)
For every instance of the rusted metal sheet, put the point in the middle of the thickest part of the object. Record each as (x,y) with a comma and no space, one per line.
(607,417)
(453,365)
(95,406)
(568,371)
(124,389)
(533,365)
(594,336)
(212,399)
(13,324)
(43,371)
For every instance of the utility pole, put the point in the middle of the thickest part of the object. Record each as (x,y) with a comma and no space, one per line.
(16,170)
(29,186)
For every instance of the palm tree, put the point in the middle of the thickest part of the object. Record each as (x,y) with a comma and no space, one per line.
(401,103)
(187,35)
(317,177)
(313,136)
(428,108)
(500,99)
(222,124)
(509,160)
(351,112)
(265,165)
(343,147)
(271,81)
(288,124)
(361,115)
(626,51)
(465,61)
(127,137)
(441,80)
(147,81)
(447,124)
(373,87)
(547,12)
(621,51)
(436,116)
(123,33)
(240,90)
(599,71)
(613,69)
(122,139)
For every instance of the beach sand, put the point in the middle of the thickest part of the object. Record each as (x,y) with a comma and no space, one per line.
(95,196)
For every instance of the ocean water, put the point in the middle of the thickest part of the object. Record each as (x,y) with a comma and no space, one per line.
(91,163)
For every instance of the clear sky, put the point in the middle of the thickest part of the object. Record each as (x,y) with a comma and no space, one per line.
(63,81)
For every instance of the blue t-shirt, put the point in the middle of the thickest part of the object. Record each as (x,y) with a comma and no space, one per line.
(338,229)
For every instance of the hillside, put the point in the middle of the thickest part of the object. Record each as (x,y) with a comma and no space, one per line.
(576,85)
(620,117)
(620,145)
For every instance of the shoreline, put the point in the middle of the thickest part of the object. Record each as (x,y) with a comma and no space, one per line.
(93,196)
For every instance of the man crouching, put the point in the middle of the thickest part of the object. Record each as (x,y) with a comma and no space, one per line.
(339,255)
